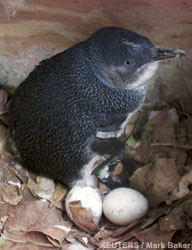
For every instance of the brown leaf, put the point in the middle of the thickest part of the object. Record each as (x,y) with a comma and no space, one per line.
(3,101)
(187,209)
(187,125)
(59,194)
(33,186)
(183,188)
(180,156)
(103,233)
(3,138)
(173,221)
(7,170)
(122,230)
(145,150)
(131,230)
(6,209)
(22,246)
(156,181)
(28,217)
(11,195)
(55,235)
(153,235)
(153,215)
(82,217)
(164,130)
(43,189)
(159,129)
(182,136)
(11,185)
(3,219)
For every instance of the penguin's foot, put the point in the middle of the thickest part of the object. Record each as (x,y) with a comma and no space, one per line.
(102,151)
(117,173)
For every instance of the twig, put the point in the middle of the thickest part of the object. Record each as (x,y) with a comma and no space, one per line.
(172,145)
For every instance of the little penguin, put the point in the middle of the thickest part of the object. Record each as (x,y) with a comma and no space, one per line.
(67,116)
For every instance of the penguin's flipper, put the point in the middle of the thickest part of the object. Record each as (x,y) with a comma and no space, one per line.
(109,148)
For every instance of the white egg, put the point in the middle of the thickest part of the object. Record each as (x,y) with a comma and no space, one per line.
(124,205)
(90,199)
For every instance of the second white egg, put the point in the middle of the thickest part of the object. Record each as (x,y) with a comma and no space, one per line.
(124,205)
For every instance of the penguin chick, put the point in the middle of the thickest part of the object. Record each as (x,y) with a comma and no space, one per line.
(85,92)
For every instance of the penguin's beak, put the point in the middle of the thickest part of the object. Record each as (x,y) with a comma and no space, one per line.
(162,53)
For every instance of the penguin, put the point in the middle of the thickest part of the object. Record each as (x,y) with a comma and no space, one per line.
(66,118)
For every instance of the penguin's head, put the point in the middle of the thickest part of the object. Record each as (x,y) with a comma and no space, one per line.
(124,59)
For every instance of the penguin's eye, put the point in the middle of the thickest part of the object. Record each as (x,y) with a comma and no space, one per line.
(129,63)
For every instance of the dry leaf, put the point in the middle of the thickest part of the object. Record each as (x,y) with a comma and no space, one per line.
(153,236)
(180,156)
(121,230)
(187,209)
(173,221)
(187,125)
(27,217)
(3,101)
(183,188)
(3,137)
(156,181)
(33,186)
(6,209)
(11,195)
(144,149)
(59,194)
(44,189)
(159,129)
(3,219)
(163,128)
(153,215)
(103,233)
(55,235)
(82,217)
(21,246)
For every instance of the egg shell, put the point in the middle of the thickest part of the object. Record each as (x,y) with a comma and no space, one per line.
(124,205)
(90,199)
